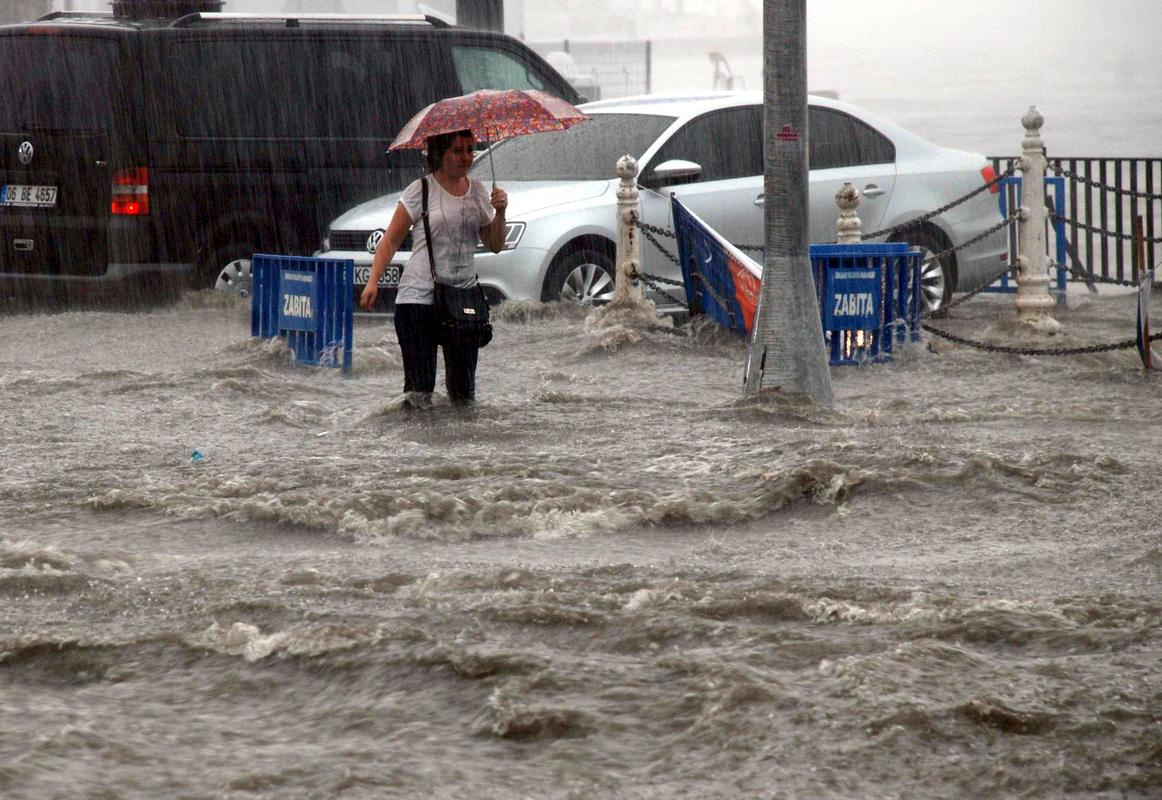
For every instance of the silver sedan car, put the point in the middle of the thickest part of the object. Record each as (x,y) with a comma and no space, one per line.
(708,150)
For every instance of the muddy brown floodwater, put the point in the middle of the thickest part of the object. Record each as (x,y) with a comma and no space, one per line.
(617,578)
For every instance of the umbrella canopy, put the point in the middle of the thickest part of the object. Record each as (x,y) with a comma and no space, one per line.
(491,115)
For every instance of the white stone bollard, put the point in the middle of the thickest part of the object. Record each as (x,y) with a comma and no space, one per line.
(1033,298)
(628,290)
(848,228)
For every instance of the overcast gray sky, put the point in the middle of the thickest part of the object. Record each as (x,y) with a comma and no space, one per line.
(961,72)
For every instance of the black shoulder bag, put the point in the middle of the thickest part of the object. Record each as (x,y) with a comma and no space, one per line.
(462,315)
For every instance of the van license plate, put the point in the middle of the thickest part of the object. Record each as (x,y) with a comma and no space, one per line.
(23,196)
(389,278)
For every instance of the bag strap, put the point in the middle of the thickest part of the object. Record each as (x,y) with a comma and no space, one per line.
(427,227)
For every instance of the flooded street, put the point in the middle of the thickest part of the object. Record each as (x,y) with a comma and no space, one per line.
(617,578)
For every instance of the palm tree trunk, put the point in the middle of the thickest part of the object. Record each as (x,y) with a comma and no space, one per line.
(786,349)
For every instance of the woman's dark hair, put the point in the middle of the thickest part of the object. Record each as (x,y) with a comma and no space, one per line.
(439,144)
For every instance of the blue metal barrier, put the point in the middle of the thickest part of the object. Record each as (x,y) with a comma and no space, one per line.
(720,280)
(1011,192)
(309,302)
(869,298)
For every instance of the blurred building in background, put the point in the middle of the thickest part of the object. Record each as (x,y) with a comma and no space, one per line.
(21,10)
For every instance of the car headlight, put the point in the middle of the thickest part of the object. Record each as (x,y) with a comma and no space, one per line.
(512,233)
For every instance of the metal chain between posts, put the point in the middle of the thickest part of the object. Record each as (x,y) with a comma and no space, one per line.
(1004,223)
(918,221)
(1024,351)
(647,229)
(1089,277)
(1125,237)
(652,281)
(1073,176)
(1032,351)
(722,303)
(964,298)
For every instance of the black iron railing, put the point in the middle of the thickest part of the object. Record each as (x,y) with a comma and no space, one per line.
(1103,196)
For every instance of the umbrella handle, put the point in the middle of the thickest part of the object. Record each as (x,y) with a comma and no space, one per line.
(492,166)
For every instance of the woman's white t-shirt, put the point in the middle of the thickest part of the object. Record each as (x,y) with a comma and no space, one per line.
(455,223)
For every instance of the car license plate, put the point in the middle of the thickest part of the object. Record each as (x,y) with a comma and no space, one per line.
(23,196)
(389,278)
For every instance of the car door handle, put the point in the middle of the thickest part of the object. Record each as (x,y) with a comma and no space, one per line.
(760,200)
(871,190)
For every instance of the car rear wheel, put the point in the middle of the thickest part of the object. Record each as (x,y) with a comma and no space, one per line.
(229,269)
(236,278)
(583,276)
(937,275)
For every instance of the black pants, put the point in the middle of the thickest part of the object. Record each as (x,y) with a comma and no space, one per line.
(415,327)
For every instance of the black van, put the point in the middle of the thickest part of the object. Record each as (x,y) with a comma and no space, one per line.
(163,143)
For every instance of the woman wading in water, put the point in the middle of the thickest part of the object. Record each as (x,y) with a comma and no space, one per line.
(460,211)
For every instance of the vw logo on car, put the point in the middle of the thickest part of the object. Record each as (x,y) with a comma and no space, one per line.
(373,240)
(25,153)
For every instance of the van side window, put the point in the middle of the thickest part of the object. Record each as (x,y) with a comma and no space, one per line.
(373,88)
(274,88)
(483,68)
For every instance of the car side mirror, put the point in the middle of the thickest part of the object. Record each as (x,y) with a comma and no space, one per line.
(676,170)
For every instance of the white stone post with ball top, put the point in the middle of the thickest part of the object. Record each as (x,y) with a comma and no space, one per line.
(849,227)
(628,287)
(1033,298)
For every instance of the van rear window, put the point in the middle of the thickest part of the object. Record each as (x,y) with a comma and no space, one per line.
(57,83)
(296,88)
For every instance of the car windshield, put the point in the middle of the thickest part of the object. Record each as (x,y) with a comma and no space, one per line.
(587,151)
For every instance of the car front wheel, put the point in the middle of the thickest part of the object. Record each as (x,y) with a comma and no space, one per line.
(583,276)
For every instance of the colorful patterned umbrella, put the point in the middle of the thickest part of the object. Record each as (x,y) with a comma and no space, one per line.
(491,115)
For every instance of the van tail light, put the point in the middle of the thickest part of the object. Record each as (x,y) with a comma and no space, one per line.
(990,176)
(131,191)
